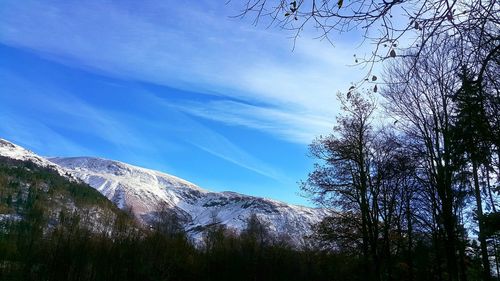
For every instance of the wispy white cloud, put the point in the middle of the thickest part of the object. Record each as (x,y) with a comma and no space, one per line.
(192,46)
(298,127)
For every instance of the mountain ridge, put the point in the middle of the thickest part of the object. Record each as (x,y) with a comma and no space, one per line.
(143,191)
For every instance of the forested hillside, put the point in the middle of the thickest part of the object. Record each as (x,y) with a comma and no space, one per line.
(53,228)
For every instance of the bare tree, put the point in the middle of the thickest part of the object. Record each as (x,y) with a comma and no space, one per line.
(394,28)
(364,177)
(423,109)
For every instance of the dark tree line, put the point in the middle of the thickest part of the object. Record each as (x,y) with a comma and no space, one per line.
(70,251)
(42,237)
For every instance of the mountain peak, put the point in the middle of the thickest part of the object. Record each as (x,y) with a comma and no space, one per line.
(14,151)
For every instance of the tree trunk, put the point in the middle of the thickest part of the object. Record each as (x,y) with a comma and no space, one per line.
(482,239)
(450,240)
(410,239)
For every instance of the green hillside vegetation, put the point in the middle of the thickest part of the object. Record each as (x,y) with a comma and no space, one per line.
(22,183)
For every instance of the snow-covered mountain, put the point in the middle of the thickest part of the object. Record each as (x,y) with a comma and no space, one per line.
(143,191)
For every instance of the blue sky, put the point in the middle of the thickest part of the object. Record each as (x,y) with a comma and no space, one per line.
(176,86)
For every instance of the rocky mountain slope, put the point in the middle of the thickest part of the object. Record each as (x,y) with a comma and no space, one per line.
(144,191)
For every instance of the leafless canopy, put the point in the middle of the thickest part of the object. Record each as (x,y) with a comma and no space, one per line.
(395,28)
